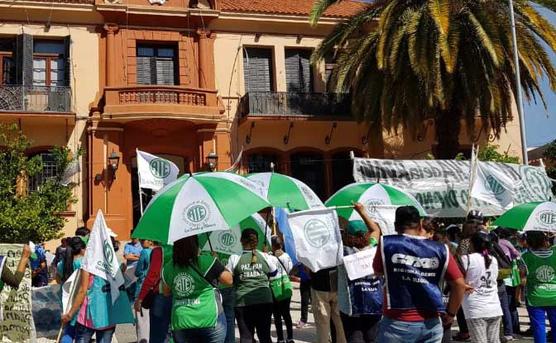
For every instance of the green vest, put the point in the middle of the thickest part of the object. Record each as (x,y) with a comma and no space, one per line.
(194,302)
(541,279)
(251,280)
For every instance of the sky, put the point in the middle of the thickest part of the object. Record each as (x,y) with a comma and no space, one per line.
(540,123)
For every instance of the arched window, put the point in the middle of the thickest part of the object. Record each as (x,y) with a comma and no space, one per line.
(342,170)
(261,162)
(309,168)
(49,170)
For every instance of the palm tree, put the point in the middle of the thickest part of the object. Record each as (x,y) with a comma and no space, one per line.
(406,61)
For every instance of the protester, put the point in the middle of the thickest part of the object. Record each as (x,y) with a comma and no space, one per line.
(228,304)
(482,306)
(413,268)
(541,283)
(252,270)
(60,252)
(14,279)
(281,308)
(360,300)
(39,274)
(159,305)
(304,294)
(324,298)
(141,270)
(132,252)
(191,278)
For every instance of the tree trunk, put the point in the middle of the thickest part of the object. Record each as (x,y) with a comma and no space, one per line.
(375,141)
(448,128)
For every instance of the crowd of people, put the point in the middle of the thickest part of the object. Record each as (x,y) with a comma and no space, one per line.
(422,280)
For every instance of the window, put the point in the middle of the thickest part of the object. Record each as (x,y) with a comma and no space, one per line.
(156,65)
(260,163)
(49,63)
(342,170)
(257,66)
(309,168)
(49,171)
(7,62)
(329,65)
(299,75)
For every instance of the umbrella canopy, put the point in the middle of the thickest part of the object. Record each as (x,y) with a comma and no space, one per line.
(380,200)
(228,242)
(199,203)
(286,192)
(532,216)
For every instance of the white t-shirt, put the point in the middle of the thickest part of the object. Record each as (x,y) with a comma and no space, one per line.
(284,261)
(484,301)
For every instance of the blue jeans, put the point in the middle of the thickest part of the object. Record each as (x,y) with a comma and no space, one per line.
(506,314)
(228,303)
(395,331)
(537,315)
(69,334)
(84,334)
(159,318)
(216,334)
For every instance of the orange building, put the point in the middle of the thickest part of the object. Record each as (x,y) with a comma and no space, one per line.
(185,80)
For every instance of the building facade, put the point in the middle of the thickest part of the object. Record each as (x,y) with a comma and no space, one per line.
(185,80)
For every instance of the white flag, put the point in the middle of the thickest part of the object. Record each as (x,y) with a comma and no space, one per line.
(492,186)
(69,289)
(317,238)
(100,258)
(155,172)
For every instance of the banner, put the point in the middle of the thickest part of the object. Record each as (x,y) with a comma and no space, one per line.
(155,172)
(317,238)
(360,264)
(442,186)
(47,310)
(16,318)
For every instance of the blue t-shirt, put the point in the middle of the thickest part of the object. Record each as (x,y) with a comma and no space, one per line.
(142,268)
(134,249)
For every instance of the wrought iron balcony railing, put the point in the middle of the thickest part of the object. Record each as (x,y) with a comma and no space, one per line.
(289,103)
(15,98)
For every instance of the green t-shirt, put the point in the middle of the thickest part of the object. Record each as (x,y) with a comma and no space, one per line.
(194,302)
(251,281)
(541,277)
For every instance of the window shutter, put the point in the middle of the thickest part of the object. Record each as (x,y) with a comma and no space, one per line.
(165,73)
(24,59)
(67,60)
(257,66)
(144,70)
(299,76)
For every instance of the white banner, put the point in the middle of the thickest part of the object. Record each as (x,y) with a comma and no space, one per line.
(360,264)
(317,238)
(100,258)
(155,172)
(16,317)
(442,186)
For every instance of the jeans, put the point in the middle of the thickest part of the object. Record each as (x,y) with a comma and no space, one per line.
(159,317)
(216,334)
(254,318)
(360,329)
(228,303)
(69,334)
(506,315)
(305,294)
(281,310)
(84,334)
(395,331)
(537,315)
(512,302)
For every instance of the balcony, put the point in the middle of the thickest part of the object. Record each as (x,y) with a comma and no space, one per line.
(159,101)
(296,104)
(35,99)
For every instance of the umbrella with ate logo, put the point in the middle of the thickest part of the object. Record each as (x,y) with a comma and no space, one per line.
(532,216)
(199,203)
(380,201)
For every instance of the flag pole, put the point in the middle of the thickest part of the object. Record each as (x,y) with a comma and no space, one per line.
(474,164)
(140,192)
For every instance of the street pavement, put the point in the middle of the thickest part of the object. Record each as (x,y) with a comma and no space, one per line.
(126,333)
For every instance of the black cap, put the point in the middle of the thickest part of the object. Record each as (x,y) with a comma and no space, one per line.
(475,216)
(407,216)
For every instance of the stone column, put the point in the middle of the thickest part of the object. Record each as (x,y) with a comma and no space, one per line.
(111,76)
(206,59)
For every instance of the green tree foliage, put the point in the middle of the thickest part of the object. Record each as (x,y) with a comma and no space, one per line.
(32,215)
(406,61)
(490,153)
(550,156)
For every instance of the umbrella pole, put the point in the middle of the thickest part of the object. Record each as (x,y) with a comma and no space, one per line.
(266,228)
(210,244)
(342,207)
(273,221)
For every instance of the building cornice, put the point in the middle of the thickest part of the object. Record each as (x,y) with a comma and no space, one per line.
(270,17)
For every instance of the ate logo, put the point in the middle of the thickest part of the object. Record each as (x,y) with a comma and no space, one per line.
(371,205)
(317,233)
(545,274)
(159,168)
(227,239)
(184,285)
(547,217)
(196,213)
(494,185)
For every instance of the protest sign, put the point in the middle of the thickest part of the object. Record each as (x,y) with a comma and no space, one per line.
(155,172)
(442,186)
(317,238)
(16,317)
(47,310)
(360,264)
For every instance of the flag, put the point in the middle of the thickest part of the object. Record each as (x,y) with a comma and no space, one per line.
(237,163)
(100,258)
(490,185)
(281,217)
(155,172)
(317,238)
(72,168)
(69,289)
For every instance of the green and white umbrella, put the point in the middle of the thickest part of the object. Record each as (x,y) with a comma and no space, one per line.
(380,201)
(228,242)
(532,216)
(286,192)
(200,203)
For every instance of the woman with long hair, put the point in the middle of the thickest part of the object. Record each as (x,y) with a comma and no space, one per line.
(252,270)
(481,306)
(192,280)
(541,283)
(360,300)
(281,308)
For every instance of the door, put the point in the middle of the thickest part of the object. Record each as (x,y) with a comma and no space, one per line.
(309,167)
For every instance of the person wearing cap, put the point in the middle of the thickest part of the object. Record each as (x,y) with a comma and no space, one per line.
(414,268)
(360,300)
